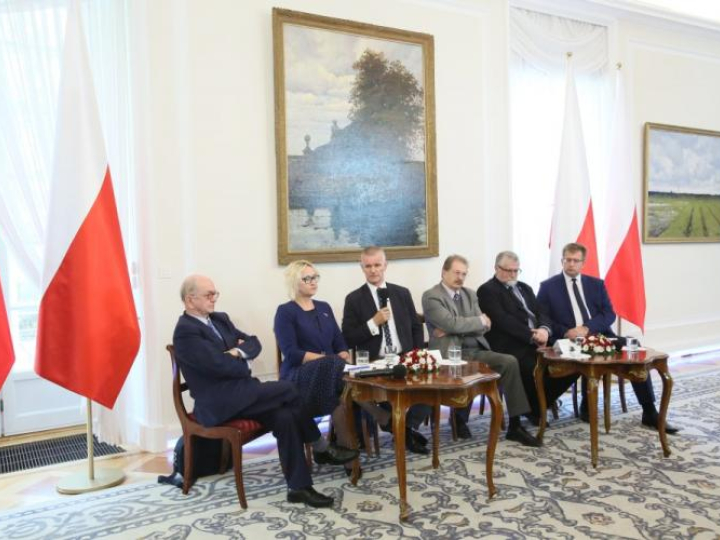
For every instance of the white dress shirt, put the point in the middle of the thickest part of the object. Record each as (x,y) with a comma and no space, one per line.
(573,301)
(375,329)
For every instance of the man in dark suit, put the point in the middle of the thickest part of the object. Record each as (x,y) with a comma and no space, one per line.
(214,357)
(520,325)
(379,315)
(579,305)
(453,317)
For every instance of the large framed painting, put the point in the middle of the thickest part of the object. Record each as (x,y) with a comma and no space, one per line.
(682,184)
(355,139)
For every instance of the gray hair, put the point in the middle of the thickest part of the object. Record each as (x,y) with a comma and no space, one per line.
(292,276)
(188,287)
(511,255)
(372,250)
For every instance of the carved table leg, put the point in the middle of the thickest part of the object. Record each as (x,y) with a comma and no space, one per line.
(607,381)
(664,403)
(542,400)
(497,414)
(398,423)
(436,433)
(350,422)
(592,409)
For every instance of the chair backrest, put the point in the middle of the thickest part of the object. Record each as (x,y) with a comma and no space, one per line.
(178,389)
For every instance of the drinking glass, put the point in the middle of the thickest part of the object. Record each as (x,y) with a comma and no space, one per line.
(362,358)
(391,355)
(632,344)
(455,353)
(578,344)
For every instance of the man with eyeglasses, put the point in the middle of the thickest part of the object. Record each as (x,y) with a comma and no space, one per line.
(519,326)
(579,305)
(214,357)
(381,316)
(453,317)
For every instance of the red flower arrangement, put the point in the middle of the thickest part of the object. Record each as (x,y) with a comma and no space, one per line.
(419,361)
(597,344)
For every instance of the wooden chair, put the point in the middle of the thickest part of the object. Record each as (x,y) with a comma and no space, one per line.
(234,433)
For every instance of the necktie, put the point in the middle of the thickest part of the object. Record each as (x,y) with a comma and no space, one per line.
(217,332)
(532,320)
(456,297)
(383,299)
(581,304)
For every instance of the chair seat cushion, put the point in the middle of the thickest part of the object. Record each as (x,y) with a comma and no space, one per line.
(245,425)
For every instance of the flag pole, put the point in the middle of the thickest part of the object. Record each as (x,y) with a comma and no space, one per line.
(104,478)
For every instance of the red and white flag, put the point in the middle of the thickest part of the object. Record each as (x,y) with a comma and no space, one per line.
(624,279)
(88,333)
(572,219)
(7,354)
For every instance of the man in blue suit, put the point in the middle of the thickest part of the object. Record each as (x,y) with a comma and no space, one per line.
(579,305)
(214,357)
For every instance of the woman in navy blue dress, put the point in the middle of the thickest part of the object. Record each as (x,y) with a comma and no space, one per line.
(314,350)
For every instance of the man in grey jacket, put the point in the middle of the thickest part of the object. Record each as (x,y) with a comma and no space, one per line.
(453,317)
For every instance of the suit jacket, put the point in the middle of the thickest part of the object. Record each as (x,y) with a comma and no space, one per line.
(298,331)
(510,332)
(221,384)
(441,312)
(360,307)
(554,296)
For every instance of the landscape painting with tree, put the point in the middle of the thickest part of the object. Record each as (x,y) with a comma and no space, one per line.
(682,184)
(355,139)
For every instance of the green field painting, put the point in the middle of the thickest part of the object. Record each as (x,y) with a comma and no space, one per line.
(683,217)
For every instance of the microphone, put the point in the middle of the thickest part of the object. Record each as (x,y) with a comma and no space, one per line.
(383,296)
(396,372)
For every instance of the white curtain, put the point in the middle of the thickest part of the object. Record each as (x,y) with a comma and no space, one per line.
(32,34)
(539,44)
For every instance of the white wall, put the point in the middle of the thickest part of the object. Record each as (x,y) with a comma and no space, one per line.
(207,162)
(675,79)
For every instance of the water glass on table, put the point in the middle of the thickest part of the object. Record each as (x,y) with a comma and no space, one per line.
(632,345)
(362,357)
(578,341)
(391,355)
(455,353)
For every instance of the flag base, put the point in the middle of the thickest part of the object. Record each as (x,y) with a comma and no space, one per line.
(80,482)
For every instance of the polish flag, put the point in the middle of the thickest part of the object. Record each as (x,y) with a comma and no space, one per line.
(572,219)
(7,355)
(624,279)
(88,333)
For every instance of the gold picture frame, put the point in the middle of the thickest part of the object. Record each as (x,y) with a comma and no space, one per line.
(355,139)
(681,184)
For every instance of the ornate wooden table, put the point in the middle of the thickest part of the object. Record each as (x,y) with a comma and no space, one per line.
(633,366)
(454,387)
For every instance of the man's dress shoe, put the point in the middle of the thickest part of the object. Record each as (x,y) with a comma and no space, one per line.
(414,445)
(418,437)
(519,434)
(462,430)
(651,421)
(335,455)
(310,497)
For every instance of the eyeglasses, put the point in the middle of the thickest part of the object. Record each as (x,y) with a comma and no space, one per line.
(307,280)
(511,270)
(210,295)
(573,261)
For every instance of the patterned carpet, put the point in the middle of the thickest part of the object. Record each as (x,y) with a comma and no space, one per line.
(551,492)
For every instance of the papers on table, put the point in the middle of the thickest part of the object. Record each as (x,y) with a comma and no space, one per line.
(576,356)
(446,362)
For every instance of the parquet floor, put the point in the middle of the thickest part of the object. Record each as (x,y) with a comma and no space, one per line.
(37,486)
